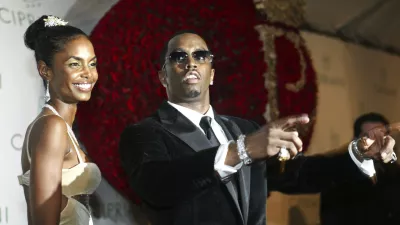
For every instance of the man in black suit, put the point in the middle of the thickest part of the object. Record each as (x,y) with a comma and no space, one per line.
(192,166)
(365,202)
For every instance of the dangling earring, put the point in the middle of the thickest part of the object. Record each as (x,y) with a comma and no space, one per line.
(47,96)
(212,82)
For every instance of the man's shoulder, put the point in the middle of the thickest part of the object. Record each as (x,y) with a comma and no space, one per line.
(235,118)
(151,120)
(239,121)
(148,123)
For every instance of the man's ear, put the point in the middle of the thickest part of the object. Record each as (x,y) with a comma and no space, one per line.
(44,71)
(212,76)
(162,75)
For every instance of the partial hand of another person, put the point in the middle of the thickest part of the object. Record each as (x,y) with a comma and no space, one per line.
(269,140)
(377,144)
(396,149)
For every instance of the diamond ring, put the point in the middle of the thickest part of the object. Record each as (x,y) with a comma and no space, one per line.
(284,154)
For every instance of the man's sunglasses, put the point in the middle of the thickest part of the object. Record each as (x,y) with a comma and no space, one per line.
(200,57)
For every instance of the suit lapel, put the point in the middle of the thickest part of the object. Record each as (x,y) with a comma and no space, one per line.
(180,126)
(232,132)
(183,128)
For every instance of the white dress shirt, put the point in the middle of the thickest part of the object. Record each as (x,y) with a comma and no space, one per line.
(219,163)
(367,166)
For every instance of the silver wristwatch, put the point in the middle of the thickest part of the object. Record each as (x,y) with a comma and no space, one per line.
(244,157)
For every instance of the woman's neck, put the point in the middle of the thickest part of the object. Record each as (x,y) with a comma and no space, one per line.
(66,111)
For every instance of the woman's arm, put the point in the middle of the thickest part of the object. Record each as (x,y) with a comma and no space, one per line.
(48,143)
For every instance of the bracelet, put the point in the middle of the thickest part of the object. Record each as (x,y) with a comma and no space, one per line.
(243,156)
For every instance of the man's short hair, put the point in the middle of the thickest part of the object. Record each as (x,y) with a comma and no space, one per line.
(371,117)
(165,48)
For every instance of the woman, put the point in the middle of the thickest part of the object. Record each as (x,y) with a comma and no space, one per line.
(57,178)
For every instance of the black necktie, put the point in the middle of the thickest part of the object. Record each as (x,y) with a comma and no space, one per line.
(205,124)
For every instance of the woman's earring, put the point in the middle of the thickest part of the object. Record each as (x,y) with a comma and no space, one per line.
(47,96)
(212,82)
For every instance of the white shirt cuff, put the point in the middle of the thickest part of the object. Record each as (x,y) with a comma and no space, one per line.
(219,163)
(367,166)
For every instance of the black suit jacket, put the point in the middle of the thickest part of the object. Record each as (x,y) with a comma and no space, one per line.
(170,165)
(314,174)
(364,202)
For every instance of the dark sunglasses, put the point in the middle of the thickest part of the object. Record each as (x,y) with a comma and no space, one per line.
(199,56)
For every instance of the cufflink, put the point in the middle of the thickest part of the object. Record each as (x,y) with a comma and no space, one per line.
(394,158)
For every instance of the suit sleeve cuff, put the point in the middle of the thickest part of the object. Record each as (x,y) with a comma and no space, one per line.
(219,164)
(367,166)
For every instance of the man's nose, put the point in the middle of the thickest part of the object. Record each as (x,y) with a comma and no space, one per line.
(191,63)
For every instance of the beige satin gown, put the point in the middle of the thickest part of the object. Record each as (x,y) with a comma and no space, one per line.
(82,179)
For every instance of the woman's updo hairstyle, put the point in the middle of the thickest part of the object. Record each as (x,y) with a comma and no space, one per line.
(48,35)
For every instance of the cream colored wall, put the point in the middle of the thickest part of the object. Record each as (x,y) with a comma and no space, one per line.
(352,80)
